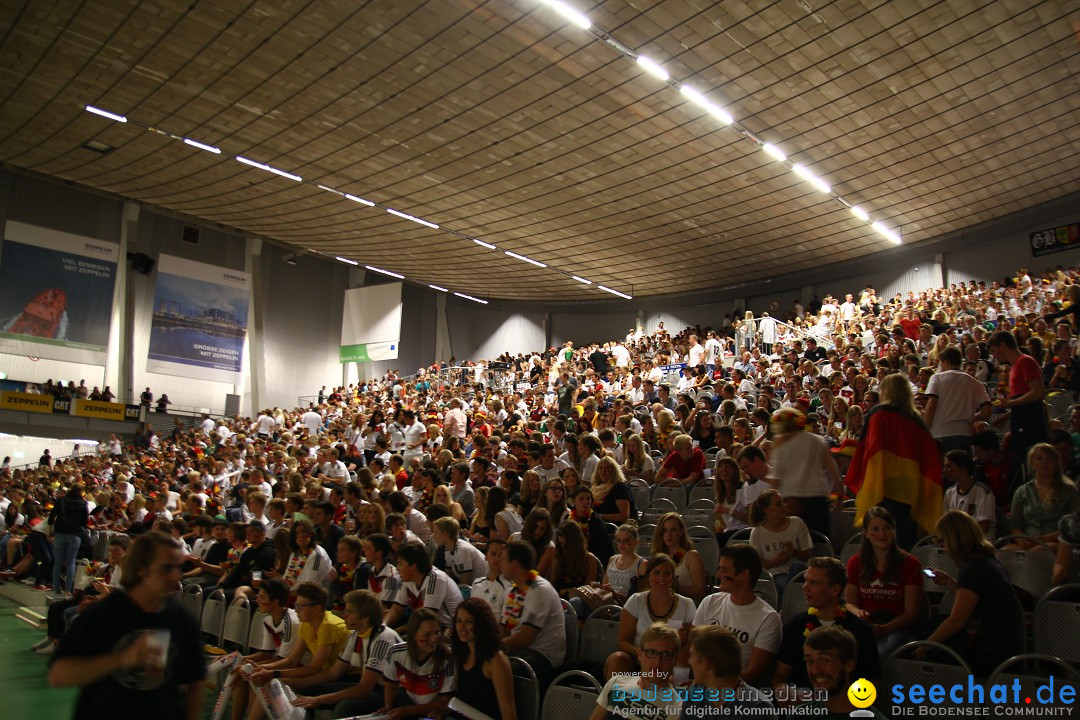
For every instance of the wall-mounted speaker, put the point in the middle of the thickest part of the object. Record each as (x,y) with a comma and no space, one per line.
(142,263)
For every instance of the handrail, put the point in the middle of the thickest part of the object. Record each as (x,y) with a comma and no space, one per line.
(798,332)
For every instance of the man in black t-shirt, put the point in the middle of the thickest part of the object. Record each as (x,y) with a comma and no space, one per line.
(136,653)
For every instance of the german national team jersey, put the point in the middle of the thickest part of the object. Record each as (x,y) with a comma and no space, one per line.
(280,638)
(385,583)
(369,653)
(423,682)
(436,591)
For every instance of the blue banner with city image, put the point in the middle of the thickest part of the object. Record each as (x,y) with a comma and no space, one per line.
(199,321)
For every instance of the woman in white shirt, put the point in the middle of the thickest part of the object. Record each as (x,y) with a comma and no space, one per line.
(783,541)
(308,562)
(660,603)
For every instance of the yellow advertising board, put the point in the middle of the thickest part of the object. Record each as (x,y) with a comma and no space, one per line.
(97,409)
(26,402)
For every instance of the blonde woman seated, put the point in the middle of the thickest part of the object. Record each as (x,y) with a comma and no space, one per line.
(659,604)
(671,539)
(783,541)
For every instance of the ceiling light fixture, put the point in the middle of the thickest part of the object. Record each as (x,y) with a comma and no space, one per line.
(569,13)
(372,268)
(886,232)
(202,146)
(360,200)
(483,244)
(267,168)
(698,99)
(774,152)
(347,261)
(653,68)
(470,297)
(811,178)
(614,292)
(106,114)
(328,189)
(581,280)
(436,287)
(406,216)
(514,255)
(860,213)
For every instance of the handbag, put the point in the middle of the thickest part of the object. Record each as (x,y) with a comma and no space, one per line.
(593,596)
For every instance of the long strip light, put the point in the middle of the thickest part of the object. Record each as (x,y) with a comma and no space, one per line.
(653,68)
(614,292)
(267,168)
(698,98)
(360,200)
(886,232)
(415,219)
(811,178)
(106,114)
(564,9)
(202,146)
(372,268)
(569,13)
(470,297)
(514,255)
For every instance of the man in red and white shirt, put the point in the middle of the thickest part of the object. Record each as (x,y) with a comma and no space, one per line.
(1027,420)
(423,586)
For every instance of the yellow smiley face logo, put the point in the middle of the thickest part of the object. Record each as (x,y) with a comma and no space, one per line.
(862,693)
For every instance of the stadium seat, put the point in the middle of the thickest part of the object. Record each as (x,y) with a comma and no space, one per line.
(213,618)
(851,548)
(600,635)
(641,492)
(670,490)
(705,504)
(740,536)
(1033,671)
(191,599)
(947,668)
(570,620)
(1057,624)
(765,588)
(526,690)
(255,630)
(710,554)
(572,696)
(1031,571)
(823,546)
(703,491)
(794,601)
(237,626)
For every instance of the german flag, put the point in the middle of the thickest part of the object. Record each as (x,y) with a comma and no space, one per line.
(897,458)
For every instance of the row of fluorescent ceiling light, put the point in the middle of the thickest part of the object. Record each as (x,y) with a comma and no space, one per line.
(698,98)
(362,201)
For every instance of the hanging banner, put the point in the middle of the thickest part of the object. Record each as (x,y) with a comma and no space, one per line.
(371,324)
(56,294)
(32,402)
(200,321)
(1044,242)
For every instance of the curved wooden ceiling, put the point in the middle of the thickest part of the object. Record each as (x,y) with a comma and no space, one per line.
(498,120)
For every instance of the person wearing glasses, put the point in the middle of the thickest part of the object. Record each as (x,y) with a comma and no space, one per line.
(649,694)
(322,634)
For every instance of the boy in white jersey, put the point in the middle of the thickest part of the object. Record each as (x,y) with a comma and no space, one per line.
(493,588)
(351,684)
(464,562)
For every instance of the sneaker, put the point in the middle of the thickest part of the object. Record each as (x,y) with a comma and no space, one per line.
(7,574)
(47,650)
(43,588)
(39,645)
(28,581)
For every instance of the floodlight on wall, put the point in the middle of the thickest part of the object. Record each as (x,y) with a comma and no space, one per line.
(290,259)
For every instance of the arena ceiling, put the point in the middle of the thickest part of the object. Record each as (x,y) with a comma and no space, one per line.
(500,121)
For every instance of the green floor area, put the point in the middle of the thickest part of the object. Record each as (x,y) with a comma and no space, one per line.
(26,692)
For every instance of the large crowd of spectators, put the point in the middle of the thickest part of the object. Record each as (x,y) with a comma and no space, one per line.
(361,523)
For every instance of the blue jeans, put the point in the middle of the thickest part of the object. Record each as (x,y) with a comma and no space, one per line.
(42,551)
(65,549)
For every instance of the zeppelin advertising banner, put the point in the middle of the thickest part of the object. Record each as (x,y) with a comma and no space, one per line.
(29,402)
(56,294)
(200,321)
(105,410)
